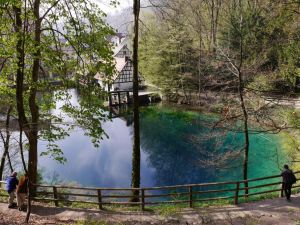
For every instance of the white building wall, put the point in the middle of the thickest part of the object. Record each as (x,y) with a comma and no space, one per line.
(115,40)
(122,86)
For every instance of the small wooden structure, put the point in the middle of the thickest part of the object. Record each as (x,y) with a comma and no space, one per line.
(117,98)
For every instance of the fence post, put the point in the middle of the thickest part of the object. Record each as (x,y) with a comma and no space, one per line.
(143,199)
(128,97)
(119,98)
(191,196)
(236,196)
(281,190)
(55,196)
(99,199)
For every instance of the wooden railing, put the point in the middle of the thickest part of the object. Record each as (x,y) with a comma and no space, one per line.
(189,194)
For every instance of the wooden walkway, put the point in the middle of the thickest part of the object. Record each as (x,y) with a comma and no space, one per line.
(116,98)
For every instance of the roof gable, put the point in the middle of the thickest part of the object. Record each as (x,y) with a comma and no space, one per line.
(121,48)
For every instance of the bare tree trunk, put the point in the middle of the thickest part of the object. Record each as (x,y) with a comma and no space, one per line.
(199,64)
(20,73)
(212,25)
(242,102)
(23,122)
(22,150)
(215,6)
(136,154)
(245,130)
(216,21)
(6,141)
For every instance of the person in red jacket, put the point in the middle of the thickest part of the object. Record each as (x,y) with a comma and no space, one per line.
(22,191)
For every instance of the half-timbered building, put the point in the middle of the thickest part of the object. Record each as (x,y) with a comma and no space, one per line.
(122,80)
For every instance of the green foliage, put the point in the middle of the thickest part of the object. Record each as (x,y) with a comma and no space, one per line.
(290,137)
(167,55)
(249,24)
(73,48)
(269,33)
(265,82)
(290,58)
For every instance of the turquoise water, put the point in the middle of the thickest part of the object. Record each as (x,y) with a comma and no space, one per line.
(177,147)
(184,149)
(183,146)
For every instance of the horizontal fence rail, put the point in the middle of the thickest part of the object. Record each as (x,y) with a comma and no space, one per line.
(176,194)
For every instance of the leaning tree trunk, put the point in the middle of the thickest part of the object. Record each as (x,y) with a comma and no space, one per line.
(241,90)
(5,141)
(199,63)
(216,22)
(22,119)
(212,25)
(136,154)
(246,132)
(22,150)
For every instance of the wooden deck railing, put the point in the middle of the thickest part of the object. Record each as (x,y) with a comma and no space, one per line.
(189,194)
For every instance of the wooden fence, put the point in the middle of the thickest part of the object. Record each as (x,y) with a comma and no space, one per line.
(177,194)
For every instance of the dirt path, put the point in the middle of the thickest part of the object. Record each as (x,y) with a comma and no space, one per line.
(268,212)
(284,101)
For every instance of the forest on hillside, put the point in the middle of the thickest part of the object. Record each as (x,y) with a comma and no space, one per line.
(222,56)
(228,57)
(197,46)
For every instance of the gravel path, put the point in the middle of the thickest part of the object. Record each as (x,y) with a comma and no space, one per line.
(267,212)
(284,101)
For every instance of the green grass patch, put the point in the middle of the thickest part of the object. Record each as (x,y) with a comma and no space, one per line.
(3,196)
(215,203)
(118,208)
(93,222)
(76,205)
(167,210)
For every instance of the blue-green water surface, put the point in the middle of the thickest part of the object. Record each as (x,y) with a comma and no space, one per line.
(177,147)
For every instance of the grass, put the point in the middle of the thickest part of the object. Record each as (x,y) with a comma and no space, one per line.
(167,210)
(3,198)
(163,209)
(92,222)
(172,209)
(264,196)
